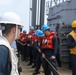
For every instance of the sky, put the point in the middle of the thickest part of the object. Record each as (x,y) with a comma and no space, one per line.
(20,7)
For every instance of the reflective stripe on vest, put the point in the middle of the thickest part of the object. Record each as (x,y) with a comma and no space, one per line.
(29,36)
(39,41)
(47,42)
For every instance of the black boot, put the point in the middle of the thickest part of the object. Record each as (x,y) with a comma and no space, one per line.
(36,72)
(33,66)
(29,64)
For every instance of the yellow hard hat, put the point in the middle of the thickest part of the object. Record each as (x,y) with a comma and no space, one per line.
(74,24)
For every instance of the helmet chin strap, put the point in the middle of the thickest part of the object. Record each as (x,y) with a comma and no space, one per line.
(1,28)
(16,35)
(0,33)
(17,32)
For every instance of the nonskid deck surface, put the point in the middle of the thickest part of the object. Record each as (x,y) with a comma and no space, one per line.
(27,70)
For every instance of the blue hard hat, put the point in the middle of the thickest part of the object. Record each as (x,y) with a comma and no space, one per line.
(35,34)
(24,31)
(40,34)
(45,27)
(36,31)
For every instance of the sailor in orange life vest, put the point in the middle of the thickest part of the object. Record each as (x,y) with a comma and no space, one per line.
(29,45)
(23,37)
(49,50)
(40,35)
(71,42)
(34,50)
(24,47)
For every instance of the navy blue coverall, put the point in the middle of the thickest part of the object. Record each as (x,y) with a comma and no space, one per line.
(5,63)
(38,60)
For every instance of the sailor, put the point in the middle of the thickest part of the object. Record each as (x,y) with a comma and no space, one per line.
(34,50)
(71,42)
(23,38)
(38,46)
(49,50)
(29,44)
(10,24)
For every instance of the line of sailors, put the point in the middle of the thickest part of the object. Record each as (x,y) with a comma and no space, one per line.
(37,45)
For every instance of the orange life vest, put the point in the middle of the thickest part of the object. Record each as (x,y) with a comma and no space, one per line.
(29,36)
(23,37)
(34,40)
(39,41)
(47,41)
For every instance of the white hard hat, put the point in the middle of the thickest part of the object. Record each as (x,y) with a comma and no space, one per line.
(10,18)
